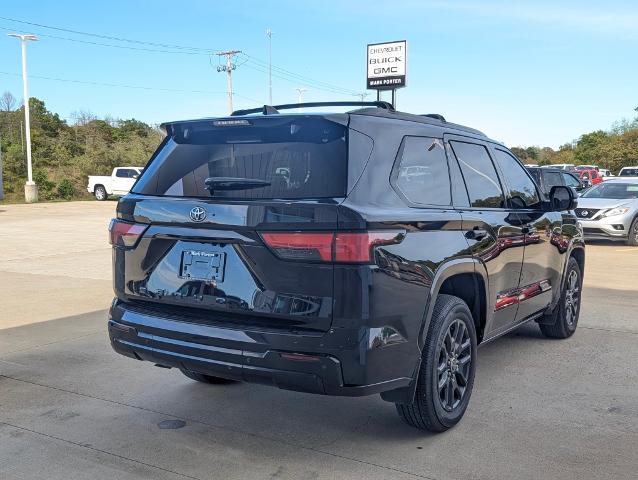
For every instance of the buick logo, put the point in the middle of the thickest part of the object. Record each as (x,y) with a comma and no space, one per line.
(583,213)
(197,214)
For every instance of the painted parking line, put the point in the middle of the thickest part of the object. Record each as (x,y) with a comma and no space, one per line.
(633,249)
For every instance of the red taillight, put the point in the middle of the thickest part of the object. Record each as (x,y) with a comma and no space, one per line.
(301,246)
(358,247)
(343,247)
(124,234)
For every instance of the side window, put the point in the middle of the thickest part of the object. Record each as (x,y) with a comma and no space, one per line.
(422,174)
(570,180)
(552,179)
(483,186)
(125,173)
(459,192)
(523,193)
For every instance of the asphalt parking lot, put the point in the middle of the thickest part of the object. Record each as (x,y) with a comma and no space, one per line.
(70,408)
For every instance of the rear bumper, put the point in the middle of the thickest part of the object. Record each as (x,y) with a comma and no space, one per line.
(307,362)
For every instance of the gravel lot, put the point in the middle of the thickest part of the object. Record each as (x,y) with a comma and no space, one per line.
(70,408)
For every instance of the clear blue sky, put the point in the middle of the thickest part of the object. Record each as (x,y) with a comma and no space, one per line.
(534,73)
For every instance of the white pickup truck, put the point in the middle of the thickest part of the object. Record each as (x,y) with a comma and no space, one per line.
(119,183)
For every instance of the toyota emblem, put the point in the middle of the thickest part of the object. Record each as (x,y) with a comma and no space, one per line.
(197,214)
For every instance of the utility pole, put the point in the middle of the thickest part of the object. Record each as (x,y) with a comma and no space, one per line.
(362,96)
(228,68)
(269,35)
(30,188)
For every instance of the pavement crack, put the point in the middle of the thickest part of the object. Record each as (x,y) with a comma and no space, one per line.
(226,428)
(105,452)
(610,330)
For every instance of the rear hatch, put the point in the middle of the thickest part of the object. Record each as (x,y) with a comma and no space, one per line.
(234,220)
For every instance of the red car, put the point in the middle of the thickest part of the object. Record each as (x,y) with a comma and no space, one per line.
(589,174)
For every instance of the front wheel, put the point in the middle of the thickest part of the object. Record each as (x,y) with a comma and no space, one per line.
(562,322)
(448,365)
(100,193)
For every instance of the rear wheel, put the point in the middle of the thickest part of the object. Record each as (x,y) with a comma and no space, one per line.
(100,193)
(200,377)
(563,320)
(446,377)
(632,239)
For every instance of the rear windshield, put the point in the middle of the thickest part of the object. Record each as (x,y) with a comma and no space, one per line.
(629,172)
(252,158)
(619,191)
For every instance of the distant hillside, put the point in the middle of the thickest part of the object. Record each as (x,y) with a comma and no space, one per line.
(64,155)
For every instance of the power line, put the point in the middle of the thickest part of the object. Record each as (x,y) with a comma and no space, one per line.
(283,71)
(124,47)
(252,62)
(106,37)
(137,87)
(295,80)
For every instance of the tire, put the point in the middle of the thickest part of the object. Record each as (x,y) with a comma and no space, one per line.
(562,322)
(100,193)
(428,411)
(632,239)
(209,379)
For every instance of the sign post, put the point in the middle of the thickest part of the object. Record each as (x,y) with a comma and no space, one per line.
(387,66)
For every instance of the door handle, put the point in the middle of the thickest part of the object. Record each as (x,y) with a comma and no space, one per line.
(476,234)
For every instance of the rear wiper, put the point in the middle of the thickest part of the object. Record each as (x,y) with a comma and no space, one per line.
(233,183)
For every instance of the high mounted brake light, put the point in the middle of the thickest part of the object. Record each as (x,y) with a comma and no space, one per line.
(125,234)
(340,247)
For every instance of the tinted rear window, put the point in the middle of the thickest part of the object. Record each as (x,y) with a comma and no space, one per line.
(299,157)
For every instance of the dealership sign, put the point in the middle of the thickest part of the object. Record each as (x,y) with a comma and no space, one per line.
(387,65)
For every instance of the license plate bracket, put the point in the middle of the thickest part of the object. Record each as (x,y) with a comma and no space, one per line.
(203,265)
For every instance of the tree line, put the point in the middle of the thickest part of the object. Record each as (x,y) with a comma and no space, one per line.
(65,153)
(611,149)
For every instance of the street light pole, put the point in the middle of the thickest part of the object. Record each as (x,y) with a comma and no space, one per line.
(269,35)
(300,92)
(30,188)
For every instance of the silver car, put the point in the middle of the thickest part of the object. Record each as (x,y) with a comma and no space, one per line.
(609,210)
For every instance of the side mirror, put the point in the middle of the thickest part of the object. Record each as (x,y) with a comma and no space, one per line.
(135,176)
(562,198)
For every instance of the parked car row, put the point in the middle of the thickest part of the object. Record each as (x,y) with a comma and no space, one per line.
(607,210)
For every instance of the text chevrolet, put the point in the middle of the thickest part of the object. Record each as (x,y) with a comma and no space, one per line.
(342,254)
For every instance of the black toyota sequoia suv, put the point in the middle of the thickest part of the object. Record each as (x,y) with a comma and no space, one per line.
(342,254)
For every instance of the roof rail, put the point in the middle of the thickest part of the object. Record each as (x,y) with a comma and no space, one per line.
(434,115)
(270,110)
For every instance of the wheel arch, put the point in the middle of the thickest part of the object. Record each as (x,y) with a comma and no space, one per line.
(465,278)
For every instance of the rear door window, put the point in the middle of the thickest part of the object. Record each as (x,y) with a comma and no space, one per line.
(553,179)
(421,173)
(522,191)
(253,158)
(483,186)
(570,180)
